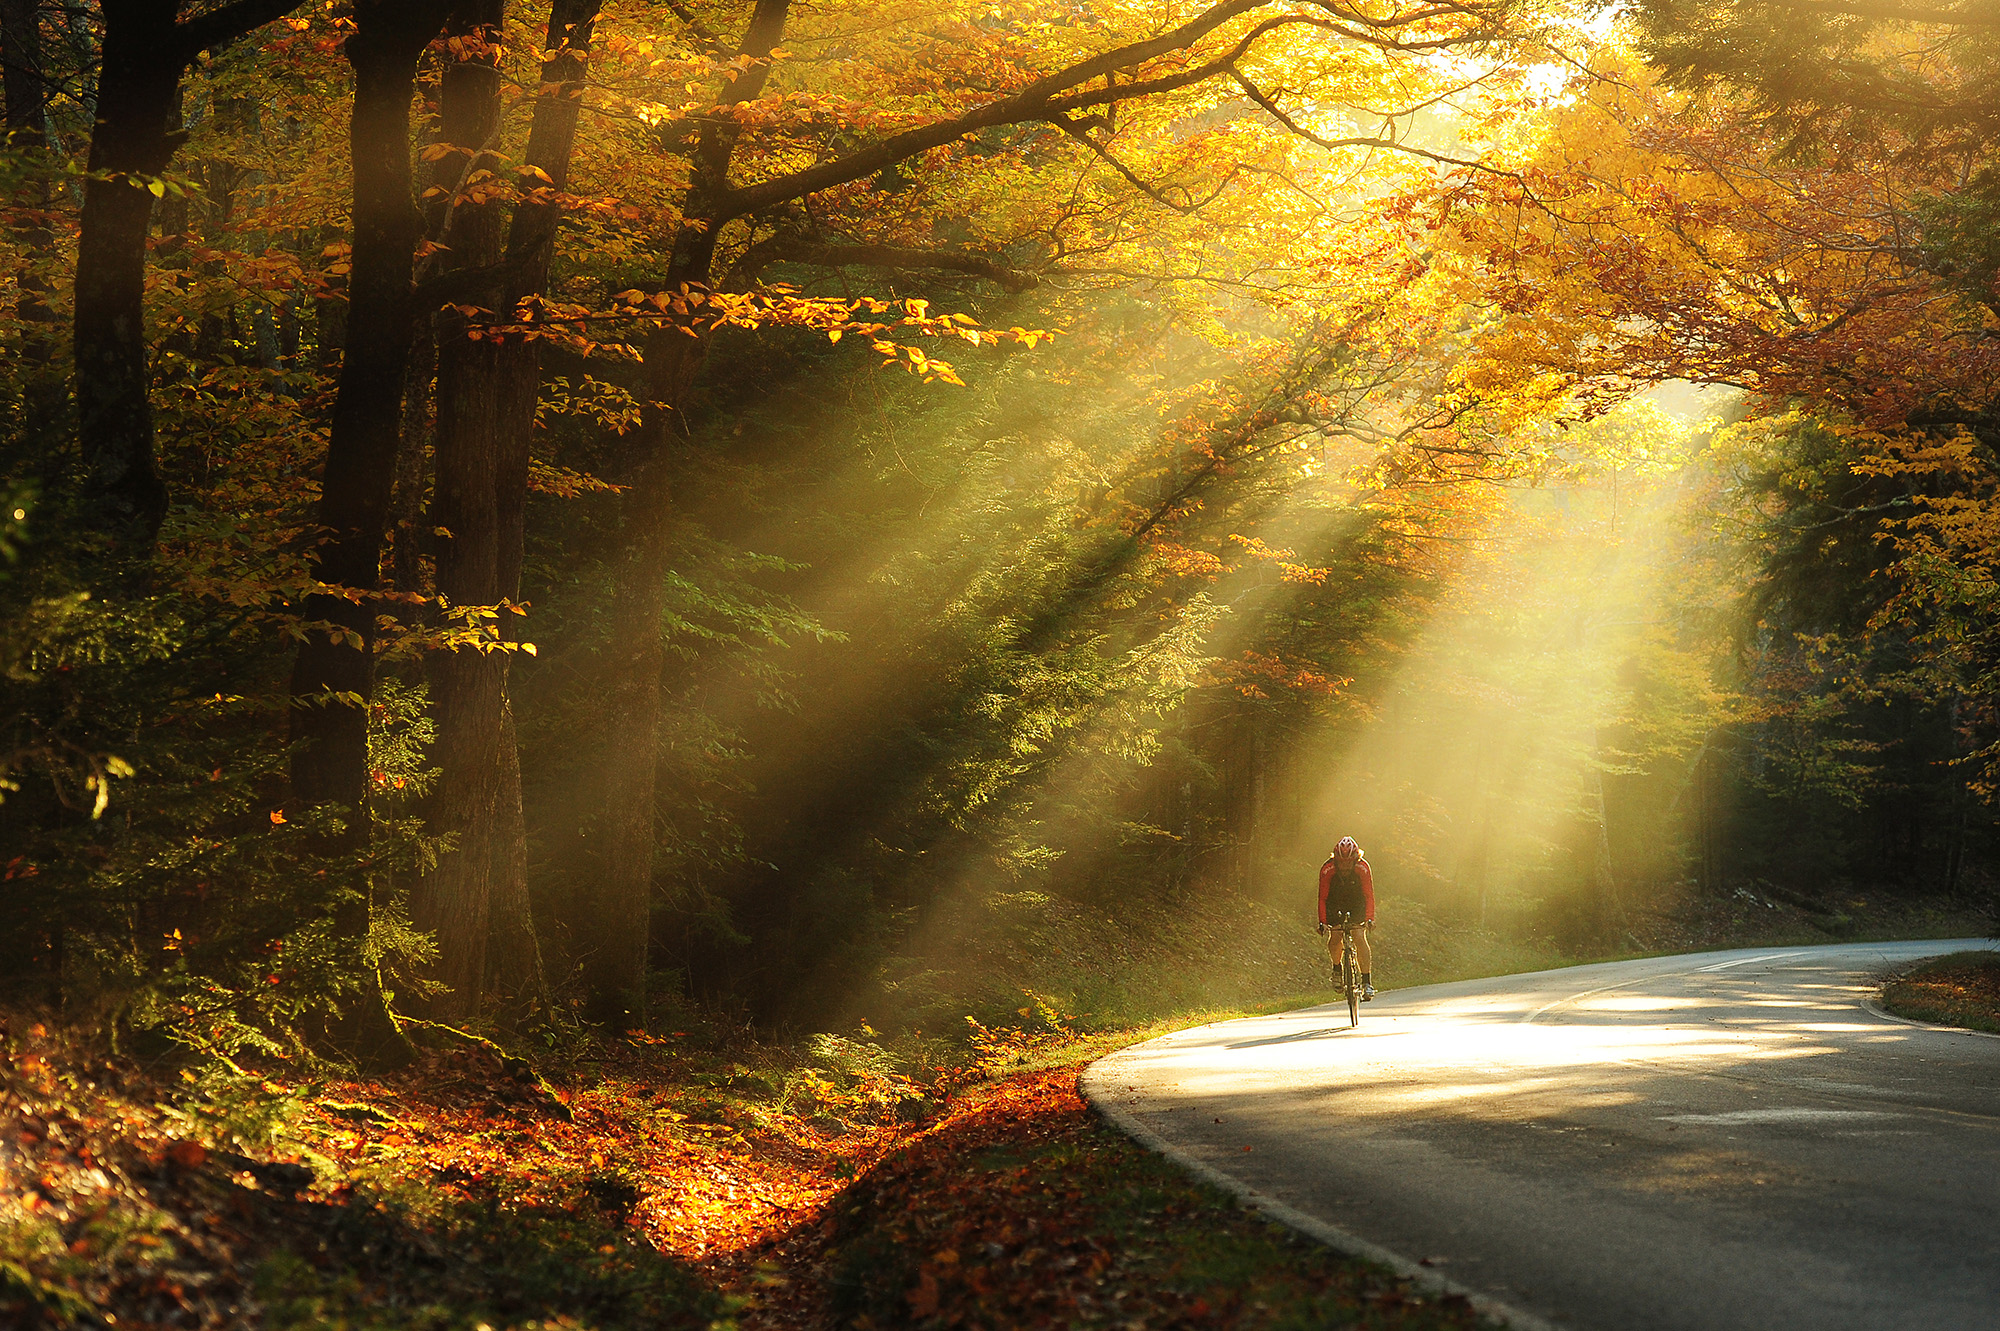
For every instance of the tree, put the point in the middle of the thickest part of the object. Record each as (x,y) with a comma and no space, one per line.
(1061,91)
(1826,73)
(334,673)
(146,48)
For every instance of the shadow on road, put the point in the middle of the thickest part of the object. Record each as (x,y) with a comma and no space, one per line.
(1296,1036)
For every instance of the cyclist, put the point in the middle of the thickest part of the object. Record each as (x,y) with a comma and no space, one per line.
(1347,886)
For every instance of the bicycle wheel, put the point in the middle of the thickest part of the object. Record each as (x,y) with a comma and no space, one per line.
(1352,982)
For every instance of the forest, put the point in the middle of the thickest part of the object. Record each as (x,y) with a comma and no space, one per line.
(555,521)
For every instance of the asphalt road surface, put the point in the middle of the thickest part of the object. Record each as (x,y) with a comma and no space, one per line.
(1734,1139)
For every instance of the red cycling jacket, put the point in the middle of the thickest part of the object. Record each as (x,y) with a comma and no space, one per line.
(1327,874)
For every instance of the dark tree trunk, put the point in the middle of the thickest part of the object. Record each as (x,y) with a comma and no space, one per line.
(22,84)
(333,677)
(515,962)
(143,55)
(468,695)
(138,100)
(334,674)
(26,97)
(514,950)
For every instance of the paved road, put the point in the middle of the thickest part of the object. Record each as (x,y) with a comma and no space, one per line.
(1728,1140)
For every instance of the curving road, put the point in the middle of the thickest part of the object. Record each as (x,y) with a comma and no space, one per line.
(1727,1140)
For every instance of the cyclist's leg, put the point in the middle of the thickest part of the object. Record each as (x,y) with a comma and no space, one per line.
(1362,952)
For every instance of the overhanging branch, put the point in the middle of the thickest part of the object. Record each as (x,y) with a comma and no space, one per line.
(793,249)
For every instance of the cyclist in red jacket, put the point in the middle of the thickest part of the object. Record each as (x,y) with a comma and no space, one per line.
(1347,887)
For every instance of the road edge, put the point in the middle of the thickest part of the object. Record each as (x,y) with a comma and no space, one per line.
(1089,1085)
(1873,1007)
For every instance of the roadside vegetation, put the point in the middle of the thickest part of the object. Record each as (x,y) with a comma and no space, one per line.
(1962,989)
(697,1179)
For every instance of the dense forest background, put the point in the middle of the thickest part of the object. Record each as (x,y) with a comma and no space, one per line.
(878,512)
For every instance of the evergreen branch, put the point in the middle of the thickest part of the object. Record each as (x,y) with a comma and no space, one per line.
(1892,13)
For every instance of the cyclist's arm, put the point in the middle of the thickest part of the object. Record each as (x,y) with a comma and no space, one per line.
(1367,891)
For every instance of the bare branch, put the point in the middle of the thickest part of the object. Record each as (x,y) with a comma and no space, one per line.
(229,22)
(1277,113)
(713,44)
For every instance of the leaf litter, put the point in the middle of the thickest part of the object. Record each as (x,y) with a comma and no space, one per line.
(676,1187)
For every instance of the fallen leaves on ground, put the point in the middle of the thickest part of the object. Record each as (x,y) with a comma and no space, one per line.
(456,1195)
(1020,1208)
(1962,989)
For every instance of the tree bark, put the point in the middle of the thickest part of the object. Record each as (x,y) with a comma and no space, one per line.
(334,674)
(26,92)
(144,53)
(515,963)
(611,923)
(454,900)
(138,98)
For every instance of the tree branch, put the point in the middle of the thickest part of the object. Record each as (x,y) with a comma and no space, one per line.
(1076,131)
(715,45)
(229,22)
(1029,104)
(1043,100)
(1277,113)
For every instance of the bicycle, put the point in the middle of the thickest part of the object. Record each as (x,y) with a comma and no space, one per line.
(1349,976)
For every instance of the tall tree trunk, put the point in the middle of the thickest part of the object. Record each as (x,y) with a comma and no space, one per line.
(144,53)
(26,98)
(611,924)
(26,104)
(454,900)
(334,674)
(333,677)
(138,100)
(514,950)
(515,963)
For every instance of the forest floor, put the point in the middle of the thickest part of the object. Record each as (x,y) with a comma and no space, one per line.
(664,1187)
(1961,989)
(693,1178)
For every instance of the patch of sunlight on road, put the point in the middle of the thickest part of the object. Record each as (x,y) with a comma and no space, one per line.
(1516,1048)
